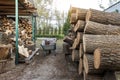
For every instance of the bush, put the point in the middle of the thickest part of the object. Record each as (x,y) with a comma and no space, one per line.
(51,36)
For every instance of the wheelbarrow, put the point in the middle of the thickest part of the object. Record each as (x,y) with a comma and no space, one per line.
(49,48)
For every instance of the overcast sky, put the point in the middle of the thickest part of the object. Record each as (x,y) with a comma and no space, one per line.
(64,5)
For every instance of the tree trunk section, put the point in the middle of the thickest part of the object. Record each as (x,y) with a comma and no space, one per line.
(81,52)
(73,19)
(79,27)
(81,14)
(72,9)
(77,41)
(68,40)
(103,17)
(75,55)
(92,42)
(80,68)
(101,29)
(66,49)
(88,62)
(107,59)
(96,16)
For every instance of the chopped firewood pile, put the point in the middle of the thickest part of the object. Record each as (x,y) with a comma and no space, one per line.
(7,36)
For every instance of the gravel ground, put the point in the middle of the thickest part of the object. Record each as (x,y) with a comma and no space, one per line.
(48,67)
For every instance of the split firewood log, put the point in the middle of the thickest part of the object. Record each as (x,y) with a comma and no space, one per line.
(23,51)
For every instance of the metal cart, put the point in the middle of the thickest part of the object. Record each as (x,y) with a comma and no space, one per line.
(48,48)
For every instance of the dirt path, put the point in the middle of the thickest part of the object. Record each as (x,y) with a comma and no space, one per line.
(50,67)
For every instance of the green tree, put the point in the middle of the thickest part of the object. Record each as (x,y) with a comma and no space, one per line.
(66,25)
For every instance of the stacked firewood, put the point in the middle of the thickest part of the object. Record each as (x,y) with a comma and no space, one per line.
(96,45)
(7,37)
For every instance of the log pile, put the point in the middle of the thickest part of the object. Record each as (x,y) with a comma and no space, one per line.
(96,44)
(7,37)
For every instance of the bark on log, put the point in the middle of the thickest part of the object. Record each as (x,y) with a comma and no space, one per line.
(81,52)
(96,16)
(103,17)
(74,44)
(101,29)
(77,41)
(4,52)
(113,18)
(79,27)
(94,77)
(79,37)
(81,14)
(73,19)
(92,42)
(75,55)
(66,49)
(68,40)
(107,59)
(88,63)
(80,68)
(72,9)
(110,75)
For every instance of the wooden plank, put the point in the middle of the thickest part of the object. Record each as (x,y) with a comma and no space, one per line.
(11,13)
(27,60)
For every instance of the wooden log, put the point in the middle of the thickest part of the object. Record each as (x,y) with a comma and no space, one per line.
(4,52)
(72,9)
(88,63)
(75,55)
(66,49)
(79,27)
(79,37)
(73,19)
(92,42)
(113,18)
(103,17)
(81,14)
(23,51)
(101,29)
(107,58)
(96,16)
(94,77)
(68,40)
(77,41)
(81,52)
(80,67)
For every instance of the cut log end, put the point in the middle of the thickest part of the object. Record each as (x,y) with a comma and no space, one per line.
(85,64)
(84,44)
(80,70)
(97,55)
(81,50)
(88,15)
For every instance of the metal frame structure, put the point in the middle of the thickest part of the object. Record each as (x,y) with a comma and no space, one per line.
(17,7)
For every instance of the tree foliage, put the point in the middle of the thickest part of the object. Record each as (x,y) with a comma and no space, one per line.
(66,25)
